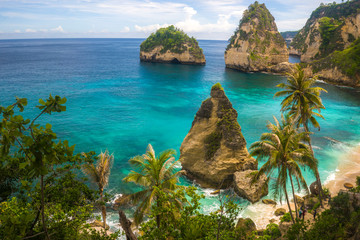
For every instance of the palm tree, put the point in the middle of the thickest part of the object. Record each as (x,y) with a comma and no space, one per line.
(153,173)
(99,174)
(283,151)
(301,99)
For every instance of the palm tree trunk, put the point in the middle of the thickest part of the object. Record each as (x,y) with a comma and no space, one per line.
(158,216)
(43,207)
(317,175)
(293,191)
(288,203)
(103,208)
(126,226)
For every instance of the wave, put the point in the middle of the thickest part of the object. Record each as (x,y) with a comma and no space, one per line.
(347,171)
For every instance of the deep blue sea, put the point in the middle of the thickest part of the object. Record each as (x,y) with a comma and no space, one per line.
(118,103)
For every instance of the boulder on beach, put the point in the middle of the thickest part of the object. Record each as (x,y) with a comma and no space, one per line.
(269,201)
(299,200)
(280,211)
(348,185)
(314,189)
(245,188)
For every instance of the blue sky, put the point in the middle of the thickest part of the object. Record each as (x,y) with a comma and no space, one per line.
(203,19)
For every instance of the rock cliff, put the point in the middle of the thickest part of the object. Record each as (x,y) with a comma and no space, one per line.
(331,27)
(214,149)
(329,43)
(256,45)
(171,45)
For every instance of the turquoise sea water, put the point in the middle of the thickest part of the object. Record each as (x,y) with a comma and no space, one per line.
(115,102)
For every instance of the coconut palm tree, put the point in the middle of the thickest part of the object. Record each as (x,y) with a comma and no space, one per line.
(152,173)
(99,174)
(284,152)
(301,99)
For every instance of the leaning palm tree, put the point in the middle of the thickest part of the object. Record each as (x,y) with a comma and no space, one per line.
(301,99)
(284,153)
(99,174)
(152,173)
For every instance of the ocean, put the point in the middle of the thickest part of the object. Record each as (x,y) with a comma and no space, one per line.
(118,103)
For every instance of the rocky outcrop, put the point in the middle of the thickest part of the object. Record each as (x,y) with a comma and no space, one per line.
(329,43)
(245,188)
(280,211)
(256,45)
(214,149)
(171,45)
(331,27)
(185,57)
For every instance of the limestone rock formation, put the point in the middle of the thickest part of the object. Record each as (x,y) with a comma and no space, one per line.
(330,27)
(214,149)
(256,44)
(171,45)
(330,43)
(246,189)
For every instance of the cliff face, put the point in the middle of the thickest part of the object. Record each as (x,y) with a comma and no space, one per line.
(331,27)
(171,45)
(327,43)
(257,44)
(214,149)
(185,57)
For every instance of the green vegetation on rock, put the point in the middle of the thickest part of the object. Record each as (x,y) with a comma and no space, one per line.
(172,39)
(212,144)
(257,15)
(346,61)
(331,18)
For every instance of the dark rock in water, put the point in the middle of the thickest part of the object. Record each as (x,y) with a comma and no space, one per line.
(214,149)
(269,201)
(215,192)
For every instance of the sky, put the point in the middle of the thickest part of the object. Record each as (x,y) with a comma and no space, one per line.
(203,19)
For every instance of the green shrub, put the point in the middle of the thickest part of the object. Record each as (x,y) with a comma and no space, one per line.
(286,218)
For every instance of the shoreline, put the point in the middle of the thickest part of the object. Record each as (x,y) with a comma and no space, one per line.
(347,171)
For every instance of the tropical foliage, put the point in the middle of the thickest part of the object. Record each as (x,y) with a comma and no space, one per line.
(301,99)
(284,152)
(173,39)
(99,174)
(153,173)
(45,197)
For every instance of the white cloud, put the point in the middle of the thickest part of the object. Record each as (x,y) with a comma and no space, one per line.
(29,30)
(150,28)
(58,29)
(291,25)
(125,29)
(17,31)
